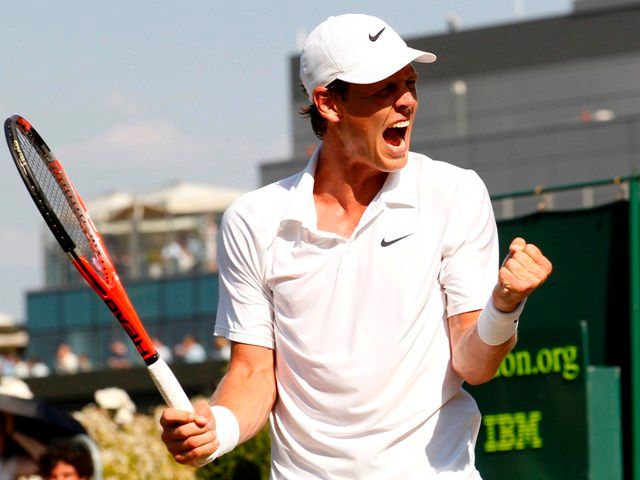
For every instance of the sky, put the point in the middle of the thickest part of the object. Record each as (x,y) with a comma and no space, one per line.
(136,95)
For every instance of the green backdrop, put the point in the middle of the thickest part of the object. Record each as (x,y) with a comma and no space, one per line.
(538,420)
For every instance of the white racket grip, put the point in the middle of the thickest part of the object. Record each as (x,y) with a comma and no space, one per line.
(168,386)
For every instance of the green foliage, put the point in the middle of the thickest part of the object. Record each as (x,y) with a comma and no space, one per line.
(133,451)
(248,461)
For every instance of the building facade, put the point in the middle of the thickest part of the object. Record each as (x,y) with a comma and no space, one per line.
(163,245)
(169,307)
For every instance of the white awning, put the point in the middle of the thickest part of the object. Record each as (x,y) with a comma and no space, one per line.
(185,198)
(182,198)
(15,339)
(156,225)
(106,206)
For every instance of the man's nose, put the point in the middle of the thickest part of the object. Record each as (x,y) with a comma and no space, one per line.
(406,102)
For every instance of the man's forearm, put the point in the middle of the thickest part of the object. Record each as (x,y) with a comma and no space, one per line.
(237,411)
(474,360)
(249,391)
(481,339)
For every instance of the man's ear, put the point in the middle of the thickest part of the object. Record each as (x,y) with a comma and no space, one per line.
(326,104)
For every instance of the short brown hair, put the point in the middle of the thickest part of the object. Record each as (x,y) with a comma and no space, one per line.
(338,88)
(72,453)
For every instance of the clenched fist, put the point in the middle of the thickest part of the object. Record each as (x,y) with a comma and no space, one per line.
(524,269)
(190,437)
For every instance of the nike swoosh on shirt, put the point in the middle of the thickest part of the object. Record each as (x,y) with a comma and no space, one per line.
(375,37)
(385,243)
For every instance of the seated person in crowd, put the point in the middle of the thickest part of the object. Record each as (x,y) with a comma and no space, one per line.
(119,357)
(190,351)
(18,452)
(66,360)
(66,461)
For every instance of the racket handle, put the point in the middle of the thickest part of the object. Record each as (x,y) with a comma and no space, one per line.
(168,386)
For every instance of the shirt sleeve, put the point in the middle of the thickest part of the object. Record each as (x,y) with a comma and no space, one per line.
(244,305)
(469,267)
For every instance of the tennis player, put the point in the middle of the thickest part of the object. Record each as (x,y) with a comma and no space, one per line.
(362,292)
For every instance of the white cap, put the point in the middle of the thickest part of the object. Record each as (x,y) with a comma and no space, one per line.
(354,48)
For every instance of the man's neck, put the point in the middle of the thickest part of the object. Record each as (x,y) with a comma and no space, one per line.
(343,188)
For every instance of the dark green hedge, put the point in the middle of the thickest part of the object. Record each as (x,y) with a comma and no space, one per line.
(248,461)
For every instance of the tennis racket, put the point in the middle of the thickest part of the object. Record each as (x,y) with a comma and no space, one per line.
(66,215)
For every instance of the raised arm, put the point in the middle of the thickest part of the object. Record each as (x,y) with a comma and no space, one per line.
(475,361)
(475,355)
(248,391)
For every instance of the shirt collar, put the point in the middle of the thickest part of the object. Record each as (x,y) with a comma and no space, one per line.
(302,207)
(400,189)
(401,186)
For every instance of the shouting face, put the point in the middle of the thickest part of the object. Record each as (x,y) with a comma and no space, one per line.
(375,121)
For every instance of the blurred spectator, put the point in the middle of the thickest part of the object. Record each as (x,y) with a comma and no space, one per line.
(38,368)
(119,357)
(66,361)
(210,239)
(154,270)
(21,368)
(163,350)
(6,366)
(190,351)
(197,250)
(177,258)
(84,363)
(13,366)
(221,348)
(66,460)
(18,452)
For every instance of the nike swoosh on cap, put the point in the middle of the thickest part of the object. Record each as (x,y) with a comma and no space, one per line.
(375,37)
(385,243)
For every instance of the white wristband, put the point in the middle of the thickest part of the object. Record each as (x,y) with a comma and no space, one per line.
(496,327)
(227,430)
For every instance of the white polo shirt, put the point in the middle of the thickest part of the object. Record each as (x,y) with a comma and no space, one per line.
(359,325)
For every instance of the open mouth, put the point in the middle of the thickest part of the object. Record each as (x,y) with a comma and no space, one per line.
(394,135)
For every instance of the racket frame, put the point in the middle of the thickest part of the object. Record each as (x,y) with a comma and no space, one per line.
(110,288)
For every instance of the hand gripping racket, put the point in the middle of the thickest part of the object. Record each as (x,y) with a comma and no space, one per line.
(67,217)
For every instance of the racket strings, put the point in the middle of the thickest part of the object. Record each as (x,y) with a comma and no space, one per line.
(63,204)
